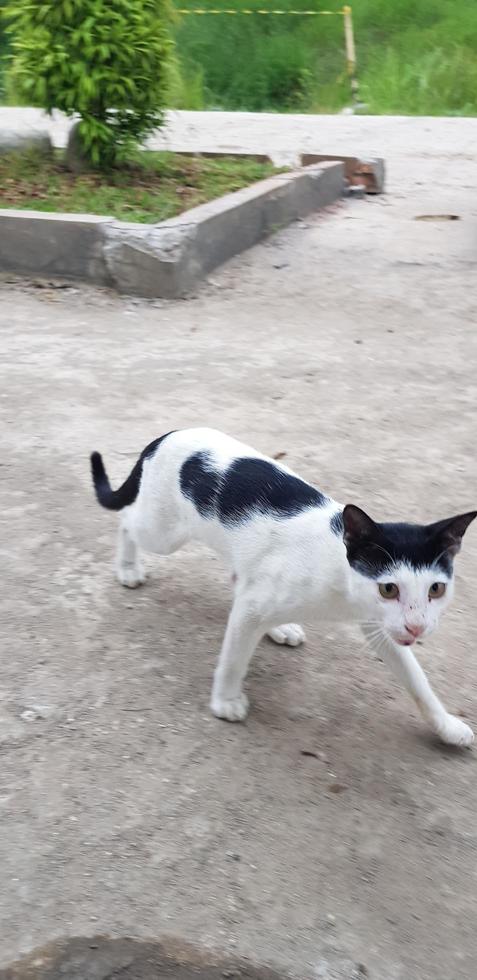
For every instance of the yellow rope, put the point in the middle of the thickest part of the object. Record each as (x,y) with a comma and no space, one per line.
(285,13)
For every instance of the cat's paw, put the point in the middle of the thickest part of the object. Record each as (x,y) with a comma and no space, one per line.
(289,634)
(453,731)
(131,576)
(231,709)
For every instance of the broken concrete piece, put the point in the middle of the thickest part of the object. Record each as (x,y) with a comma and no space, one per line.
(371,173)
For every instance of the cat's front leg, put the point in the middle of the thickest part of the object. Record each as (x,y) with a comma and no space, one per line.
(243,633)
(404,665)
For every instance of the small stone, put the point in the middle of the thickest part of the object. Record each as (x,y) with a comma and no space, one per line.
(233,856)
(331,919)
(37,711)
(337,788)
(28,715)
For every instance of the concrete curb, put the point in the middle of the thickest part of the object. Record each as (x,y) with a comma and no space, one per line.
(166,259)
(18,140)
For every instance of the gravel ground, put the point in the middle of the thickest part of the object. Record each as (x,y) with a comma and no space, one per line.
(347,342)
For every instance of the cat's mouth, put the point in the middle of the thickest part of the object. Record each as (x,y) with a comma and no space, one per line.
(403,639)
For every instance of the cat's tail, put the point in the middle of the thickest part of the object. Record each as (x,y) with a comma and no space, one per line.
(114,499)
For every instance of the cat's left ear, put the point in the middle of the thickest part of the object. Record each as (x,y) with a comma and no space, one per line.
(449,533)
(358,526)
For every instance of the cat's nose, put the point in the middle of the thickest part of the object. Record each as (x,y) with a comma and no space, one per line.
(414,630)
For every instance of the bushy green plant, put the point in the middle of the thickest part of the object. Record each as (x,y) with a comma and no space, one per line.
(3,50)
(106,60)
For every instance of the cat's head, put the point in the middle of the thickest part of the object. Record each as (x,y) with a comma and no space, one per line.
(402,573)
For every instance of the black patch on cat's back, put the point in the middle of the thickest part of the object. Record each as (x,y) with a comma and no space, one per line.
(199,482)
(258,485)
(248,486)
(337,524)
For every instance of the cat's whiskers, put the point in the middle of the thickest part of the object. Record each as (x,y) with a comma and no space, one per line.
(373,639)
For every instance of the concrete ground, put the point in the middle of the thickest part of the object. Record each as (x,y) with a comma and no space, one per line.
(330,837)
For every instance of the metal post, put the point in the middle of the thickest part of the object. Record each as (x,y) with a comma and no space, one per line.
(350,51)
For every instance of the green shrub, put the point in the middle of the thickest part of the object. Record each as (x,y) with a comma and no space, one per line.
(3,51)
(106,60)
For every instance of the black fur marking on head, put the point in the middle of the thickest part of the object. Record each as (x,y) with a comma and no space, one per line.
(374,549)
(395,544)
(127,493)
(247,486)
(200,483)
(250,485)
(337,524)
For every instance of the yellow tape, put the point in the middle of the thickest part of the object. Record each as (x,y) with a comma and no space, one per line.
(293,13)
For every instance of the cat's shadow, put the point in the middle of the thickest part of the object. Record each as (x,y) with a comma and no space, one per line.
(278,682)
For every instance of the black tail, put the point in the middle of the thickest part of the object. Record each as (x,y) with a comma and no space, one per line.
(114,499)
(126,495)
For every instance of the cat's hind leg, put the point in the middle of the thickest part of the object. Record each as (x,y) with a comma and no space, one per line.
(129,568)
(290,634)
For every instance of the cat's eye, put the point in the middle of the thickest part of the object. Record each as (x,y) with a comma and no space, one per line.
(437,590)
(388,590)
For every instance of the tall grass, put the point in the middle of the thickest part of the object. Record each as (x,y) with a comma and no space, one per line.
(260,62)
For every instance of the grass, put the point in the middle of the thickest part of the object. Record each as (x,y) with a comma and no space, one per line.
(155,187)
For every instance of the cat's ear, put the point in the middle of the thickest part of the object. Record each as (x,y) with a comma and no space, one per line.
(449,533)
(358,527)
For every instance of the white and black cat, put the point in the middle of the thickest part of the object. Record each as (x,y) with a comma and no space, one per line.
(293,554)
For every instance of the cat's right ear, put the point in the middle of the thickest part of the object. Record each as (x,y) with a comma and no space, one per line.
(358,527)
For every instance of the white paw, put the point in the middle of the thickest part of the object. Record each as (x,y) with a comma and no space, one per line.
(131,576)
(291,634)
(453,731)
(231,709)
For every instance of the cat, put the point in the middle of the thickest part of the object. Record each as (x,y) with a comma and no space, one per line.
(293,552)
